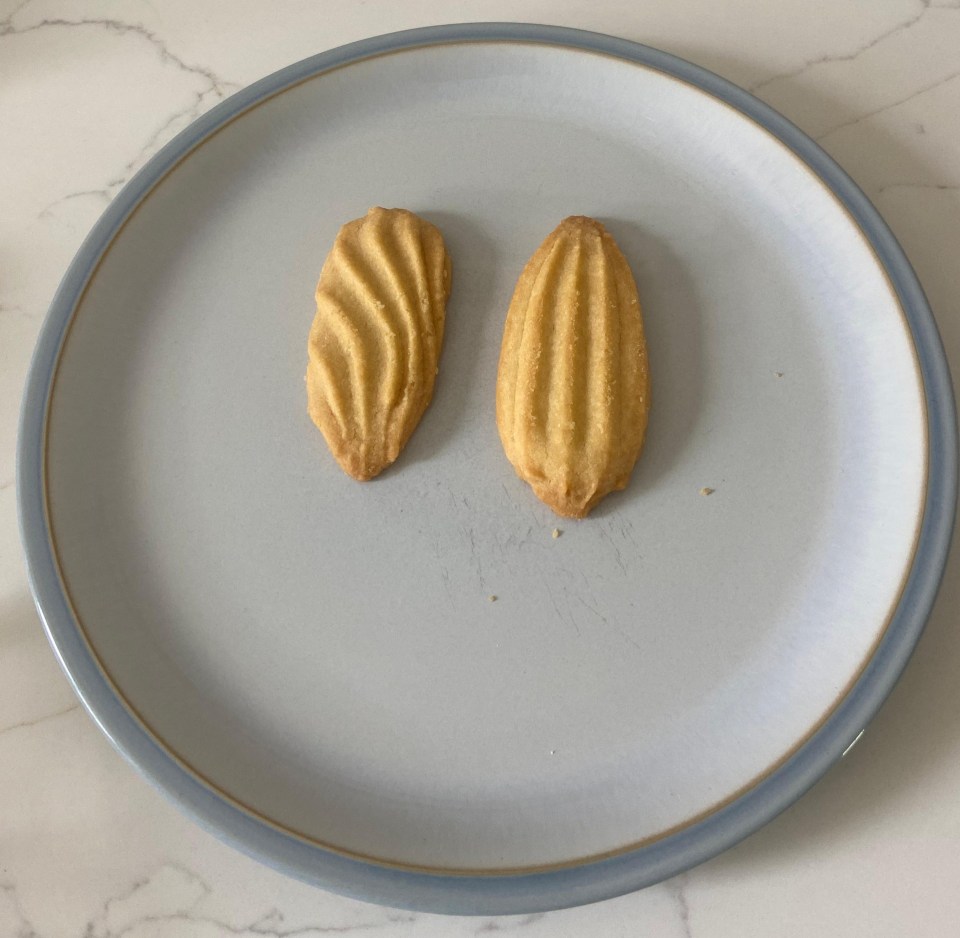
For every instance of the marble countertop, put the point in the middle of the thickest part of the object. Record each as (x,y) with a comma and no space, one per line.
(89,90)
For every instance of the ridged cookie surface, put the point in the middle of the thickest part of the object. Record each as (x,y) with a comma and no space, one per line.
(375,342)
(573,387)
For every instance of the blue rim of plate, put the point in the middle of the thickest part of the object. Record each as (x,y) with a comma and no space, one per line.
(516,892)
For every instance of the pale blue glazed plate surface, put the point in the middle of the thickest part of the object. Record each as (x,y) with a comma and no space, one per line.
(313,668)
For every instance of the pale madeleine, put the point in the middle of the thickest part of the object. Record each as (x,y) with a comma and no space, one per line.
(573,386)
(374,346)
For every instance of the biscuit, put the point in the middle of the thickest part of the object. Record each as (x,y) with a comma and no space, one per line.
(375,342)
(573,386)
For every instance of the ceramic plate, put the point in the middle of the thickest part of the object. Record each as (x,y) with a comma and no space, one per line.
(314,668)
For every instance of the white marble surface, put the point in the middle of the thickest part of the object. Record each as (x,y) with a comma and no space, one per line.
(88,91)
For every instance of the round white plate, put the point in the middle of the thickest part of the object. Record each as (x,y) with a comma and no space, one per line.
(314,667)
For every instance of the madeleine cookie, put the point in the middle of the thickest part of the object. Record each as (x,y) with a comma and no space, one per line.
(573,388)
(375,341)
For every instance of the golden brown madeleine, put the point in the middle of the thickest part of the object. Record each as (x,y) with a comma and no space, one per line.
(376,338)
(573,388)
